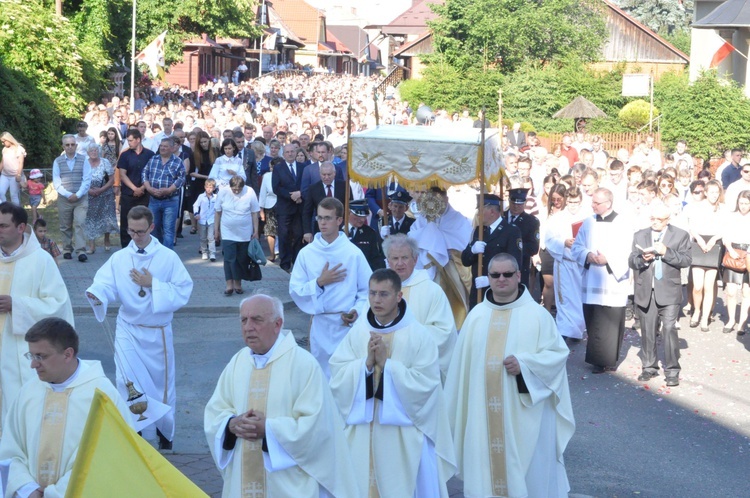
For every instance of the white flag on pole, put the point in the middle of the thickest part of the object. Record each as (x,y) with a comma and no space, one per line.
(153,56)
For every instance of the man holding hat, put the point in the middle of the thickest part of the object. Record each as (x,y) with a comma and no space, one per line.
(364,236)
(498,237)
(529,226)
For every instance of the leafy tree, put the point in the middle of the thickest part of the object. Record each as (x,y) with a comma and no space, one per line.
(30,116)
(711,114)
(507,33)
(44,47)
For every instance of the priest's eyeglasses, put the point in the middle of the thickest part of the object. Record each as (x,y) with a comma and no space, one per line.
(137,232)
(506,274)
(36,357)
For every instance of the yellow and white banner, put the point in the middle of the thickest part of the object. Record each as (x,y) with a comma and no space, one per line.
(153,56)
(423,156)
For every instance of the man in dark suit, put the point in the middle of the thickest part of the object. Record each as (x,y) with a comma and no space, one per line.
(365,237)
(498,237)
(529,226)
(326,187)
(658,254)
(516,138)
(320,152)
(285,182)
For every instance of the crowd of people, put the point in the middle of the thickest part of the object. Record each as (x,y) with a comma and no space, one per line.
(417,368)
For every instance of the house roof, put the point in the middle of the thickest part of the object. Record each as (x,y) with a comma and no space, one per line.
(275,21)
(409,47)
(413,21)
(353,37)
(300,17)
(659,42)
(333,41)
(730,14)
(203,41)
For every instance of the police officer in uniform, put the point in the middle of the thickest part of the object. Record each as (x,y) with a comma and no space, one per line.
(400,223)
(364,236)
(498,237)
(529,226)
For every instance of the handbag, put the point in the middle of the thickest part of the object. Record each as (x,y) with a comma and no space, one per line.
(253,272)
(710,259)
(735,264)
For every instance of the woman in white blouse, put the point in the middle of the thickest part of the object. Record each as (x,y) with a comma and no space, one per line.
(236,224)
(227,165)
(704,220)
(737,236)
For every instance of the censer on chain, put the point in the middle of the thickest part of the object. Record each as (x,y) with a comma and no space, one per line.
(137,401)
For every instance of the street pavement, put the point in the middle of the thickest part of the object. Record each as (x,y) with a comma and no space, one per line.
(632,438)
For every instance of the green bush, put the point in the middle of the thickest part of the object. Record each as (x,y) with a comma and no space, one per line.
(636,114)
(30,116)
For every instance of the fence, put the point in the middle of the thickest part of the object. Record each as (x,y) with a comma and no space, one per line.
(612,141)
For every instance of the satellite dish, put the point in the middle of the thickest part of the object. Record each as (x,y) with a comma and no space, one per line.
(425,115)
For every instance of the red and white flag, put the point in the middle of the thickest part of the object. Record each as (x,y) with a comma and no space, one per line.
(720,49)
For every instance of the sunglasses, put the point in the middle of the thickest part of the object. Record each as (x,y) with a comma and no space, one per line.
(746,170)
(697,191)
(506,274)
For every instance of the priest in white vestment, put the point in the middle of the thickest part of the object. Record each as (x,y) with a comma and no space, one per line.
(31,288)
(426,300)
(45,423)
(329,282)
(442,233)
(271,424)
(151,283)
(507,389)
(385,378)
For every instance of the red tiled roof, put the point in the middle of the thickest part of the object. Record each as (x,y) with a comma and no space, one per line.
(414,20)
(302,18)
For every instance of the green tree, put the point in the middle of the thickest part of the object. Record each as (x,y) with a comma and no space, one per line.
(508,33)
(662,16)
(636,114)
(711,114)
(42,46)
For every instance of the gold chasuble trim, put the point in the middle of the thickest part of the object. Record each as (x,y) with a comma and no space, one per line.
(253,470)
(51,436)
(377,374)
(6,281)
(497,335)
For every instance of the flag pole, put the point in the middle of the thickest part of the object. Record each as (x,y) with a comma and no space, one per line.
(132,64)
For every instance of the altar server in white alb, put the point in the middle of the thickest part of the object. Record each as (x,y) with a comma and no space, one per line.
(508,395)
(602,248)
(151,283)
(45,423)
(385,378)
(271,424)
(329,282)
(426,299)
(31,288)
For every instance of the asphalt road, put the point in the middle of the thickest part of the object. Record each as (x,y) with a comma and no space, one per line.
(632,438)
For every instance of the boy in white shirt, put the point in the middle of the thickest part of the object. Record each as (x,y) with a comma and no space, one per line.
(204,217)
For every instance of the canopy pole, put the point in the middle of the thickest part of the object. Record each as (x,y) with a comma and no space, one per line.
(500,125)
(480,228)
(348,162)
